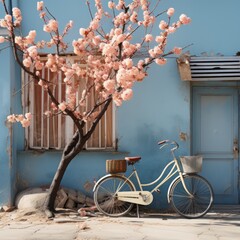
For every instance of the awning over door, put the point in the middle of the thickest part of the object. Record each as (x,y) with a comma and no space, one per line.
(209,68)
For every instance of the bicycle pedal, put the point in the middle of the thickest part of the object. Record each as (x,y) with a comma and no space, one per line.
(158,191)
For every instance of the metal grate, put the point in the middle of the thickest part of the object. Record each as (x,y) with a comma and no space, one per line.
(215,68)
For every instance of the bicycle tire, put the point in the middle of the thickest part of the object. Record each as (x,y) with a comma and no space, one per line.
(194,206)
(105,196)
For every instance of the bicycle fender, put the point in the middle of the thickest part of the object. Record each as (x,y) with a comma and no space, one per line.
(169,188)
(108,175)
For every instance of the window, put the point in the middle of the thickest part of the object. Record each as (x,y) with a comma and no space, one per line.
(55,131)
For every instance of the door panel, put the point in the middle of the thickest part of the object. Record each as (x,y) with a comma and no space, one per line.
(215,128)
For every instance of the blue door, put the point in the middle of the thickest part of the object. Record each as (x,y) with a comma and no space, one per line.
(215,134)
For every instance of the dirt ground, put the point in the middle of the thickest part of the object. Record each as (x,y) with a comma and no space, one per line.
(37,216)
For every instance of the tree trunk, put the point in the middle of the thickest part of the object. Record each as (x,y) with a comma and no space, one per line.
(69,153)
(50,200)
(71,150)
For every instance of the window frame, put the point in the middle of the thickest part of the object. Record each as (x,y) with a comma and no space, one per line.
(28,106)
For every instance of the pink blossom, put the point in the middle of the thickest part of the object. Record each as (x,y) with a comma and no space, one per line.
(50,61)
(170,12)
(148,38)
(2,39)
(28,115)
(127,94)
(42,14)
(53,24)
(157,50)
(3,23)
(40,6)
(48,113)
(140,64)
(27,62)
(19,40)
(8,18)
(25,123)
(94,24)
(128,62)
(109,50)
(159,39)
(152,53)
(96,40)
(19,117)
(117,101)
(120,5)
(32,51)
(16,12)
(160,61)
(184,19)
(118,31)
(163,25)
(82,31)
(62,106)
(177,50)
(111,4)
(40,83)
(141,75)
(126,44)
(53,106)
(133,17)
(121,38)
(11,118)
(147,60)
(171,30)
(32,34)
(38,65)
(46,28)
(70,24)
(31,37)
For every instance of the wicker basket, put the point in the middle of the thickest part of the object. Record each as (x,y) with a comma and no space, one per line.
(191,164)
(116,166)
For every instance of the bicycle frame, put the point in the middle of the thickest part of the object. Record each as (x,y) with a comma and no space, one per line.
(175,169)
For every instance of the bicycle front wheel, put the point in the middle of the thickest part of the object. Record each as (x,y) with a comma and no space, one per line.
(195,205)
(105,196)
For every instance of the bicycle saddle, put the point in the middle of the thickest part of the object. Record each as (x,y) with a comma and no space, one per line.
(132,160)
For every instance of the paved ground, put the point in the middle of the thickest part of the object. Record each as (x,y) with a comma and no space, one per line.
(222,224)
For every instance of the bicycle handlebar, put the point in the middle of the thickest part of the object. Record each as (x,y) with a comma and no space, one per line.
(163,143)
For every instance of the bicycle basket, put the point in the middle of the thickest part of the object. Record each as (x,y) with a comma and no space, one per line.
(116,166)
(191,164)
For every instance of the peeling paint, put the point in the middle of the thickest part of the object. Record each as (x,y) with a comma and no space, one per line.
(88,186)
(183,136)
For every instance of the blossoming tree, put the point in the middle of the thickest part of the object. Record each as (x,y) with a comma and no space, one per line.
(112,69)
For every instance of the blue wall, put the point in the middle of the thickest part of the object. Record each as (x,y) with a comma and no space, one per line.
(160,108)
(5,139)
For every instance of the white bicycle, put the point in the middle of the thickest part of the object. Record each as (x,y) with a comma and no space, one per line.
(190,195)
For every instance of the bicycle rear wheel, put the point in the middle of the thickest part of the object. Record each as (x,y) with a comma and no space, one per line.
(194,206)
(105,196)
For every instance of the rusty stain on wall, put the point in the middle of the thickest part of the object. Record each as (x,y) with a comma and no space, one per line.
(183,136)
(88,186)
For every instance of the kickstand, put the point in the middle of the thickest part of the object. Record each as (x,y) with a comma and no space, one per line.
(138,215)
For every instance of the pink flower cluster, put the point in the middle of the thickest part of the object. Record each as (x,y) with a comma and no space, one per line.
(24,120)
(12,21)
(17,15)
(105,65)
(51,26)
